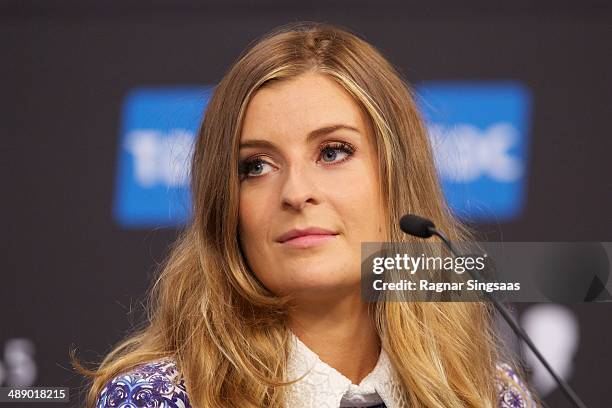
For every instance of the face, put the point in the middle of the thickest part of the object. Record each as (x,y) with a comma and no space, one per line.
(307,160)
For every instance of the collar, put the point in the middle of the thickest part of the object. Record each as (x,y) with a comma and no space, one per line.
(324,386)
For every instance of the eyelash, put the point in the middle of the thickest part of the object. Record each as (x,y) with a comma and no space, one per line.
(349,149)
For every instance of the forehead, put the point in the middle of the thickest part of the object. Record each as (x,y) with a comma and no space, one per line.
(299,105)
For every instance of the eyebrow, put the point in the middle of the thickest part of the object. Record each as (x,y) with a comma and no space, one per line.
(311,136)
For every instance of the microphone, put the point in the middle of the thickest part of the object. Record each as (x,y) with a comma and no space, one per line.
(417,226)
(424,228)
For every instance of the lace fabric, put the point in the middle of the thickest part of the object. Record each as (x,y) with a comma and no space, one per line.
(324,386)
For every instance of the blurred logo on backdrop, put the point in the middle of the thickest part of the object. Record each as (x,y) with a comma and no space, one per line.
(18,367)
(479,135)
(478,130)
(157,136)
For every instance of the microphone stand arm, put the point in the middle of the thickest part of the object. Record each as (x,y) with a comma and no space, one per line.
(567,390)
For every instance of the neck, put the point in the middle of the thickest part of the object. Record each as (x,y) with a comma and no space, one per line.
(340,331)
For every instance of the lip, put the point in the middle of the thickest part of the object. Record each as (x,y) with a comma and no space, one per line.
(307,241)
(306,237)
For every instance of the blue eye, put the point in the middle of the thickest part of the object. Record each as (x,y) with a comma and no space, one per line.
(331,150)
(255,167)
(252,167)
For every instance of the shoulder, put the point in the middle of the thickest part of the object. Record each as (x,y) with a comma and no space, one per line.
(154,384)
(512,392)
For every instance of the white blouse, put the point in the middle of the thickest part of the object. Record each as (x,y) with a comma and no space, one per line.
(160,383)
(326,387)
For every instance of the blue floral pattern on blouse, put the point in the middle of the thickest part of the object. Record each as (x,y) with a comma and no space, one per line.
(150,385)
(158,385)
(511,391)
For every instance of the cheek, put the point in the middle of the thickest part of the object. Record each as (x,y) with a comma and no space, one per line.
(249,212)
(359,206)
(255,217)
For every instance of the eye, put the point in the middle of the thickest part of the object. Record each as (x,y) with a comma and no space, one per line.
(253,167)
(329,152)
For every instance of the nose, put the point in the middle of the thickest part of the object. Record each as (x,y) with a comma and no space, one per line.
(299,186)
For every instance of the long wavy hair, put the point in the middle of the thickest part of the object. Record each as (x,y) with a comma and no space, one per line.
(211,314)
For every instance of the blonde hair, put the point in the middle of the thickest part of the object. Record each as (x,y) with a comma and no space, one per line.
(223,328)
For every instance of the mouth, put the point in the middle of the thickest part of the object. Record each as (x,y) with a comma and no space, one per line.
(307,237)
(295,233)
(307,241)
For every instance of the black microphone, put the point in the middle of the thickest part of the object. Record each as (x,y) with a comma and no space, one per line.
(417,226)
(424,228)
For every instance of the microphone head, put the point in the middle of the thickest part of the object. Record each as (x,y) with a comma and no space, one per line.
(417,226)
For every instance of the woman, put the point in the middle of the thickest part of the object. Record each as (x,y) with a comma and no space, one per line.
(310,145)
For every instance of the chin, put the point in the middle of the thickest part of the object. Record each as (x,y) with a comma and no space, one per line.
(321,281)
